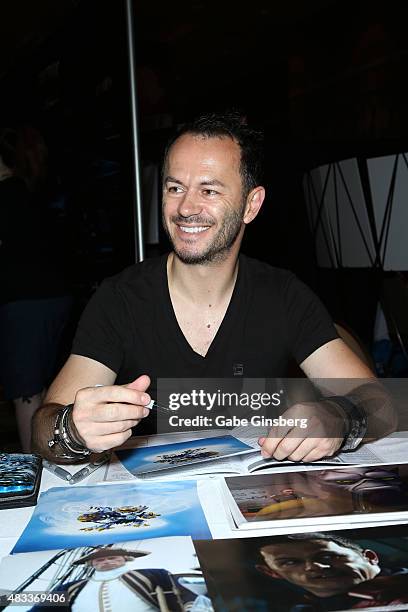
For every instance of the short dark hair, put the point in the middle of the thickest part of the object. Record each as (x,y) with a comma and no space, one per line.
(230,124)
(317,535)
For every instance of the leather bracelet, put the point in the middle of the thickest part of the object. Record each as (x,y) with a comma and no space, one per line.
(70,442)
(356,419)
(71,448)
(57,441)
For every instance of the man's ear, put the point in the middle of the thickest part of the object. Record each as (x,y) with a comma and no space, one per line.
(372,556)
(267,571)
(254,202)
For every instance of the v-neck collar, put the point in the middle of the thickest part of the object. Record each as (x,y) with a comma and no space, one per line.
(224,328)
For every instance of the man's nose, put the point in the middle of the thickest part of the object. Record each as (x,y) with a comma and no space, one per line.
(311,565)
(189,205)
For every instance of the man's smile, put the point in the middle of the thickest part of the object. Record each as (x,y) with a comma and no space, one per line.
(188,229)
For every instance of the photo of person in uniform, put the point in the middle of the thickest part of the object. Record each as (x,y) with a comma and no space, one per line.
(132,576)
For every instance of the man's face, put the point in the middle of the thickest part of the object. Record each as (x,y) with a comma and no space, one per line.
(203,204)
(322,567)
(104,564)
(371,488)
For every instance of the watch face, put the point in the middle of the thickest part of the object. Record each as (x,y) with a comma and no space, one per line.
(351,443)
(357,432)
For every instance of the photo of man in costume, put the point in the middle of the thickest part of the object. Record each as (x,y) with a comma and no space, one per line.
(112,586)
(328,572)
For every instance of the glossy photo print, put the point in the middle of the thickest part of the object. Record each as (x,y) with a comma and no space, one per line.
(364,569)
(88,516)
(181,454)
(131,575)
(356,492)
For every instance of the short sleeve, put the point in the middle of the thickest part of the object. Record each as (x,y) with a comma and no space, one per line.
(309,325)
(100,333)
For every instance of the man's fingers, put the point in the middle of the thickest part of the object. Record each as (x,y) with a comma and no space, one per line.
(306,448)
(275,436)
(118,412)
(313,455)
(114,427)
(323,447)
(102,443)
(287,447)
(140,384)
(112,393)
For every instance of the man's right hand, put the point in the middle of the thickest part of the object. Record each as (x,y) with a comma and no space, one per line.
(103,417)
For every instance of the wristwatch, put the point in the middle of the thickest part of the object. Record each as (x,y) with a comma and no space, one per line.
(356,418)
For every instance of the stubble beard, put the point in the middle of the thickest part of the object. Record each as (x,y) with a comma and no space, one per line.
(218,250)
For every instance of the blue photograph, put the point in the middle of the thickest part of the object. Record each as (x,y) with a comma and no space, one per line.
(89,516)
(165,456)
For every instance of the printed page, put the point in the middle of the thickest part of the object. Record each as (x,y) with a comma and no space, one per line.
(360,456)
(363,454)
(231,465)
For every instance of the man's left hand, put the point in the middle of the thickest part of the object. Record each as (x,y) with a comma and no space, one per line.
(322,437)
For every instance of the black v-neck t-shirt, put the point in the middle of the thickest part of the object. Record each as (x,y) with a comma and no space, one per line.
(130,326)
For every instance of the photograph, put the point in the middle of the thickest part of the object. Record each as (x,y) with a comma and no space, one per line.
(309,572)
(128,576)
(356,492)
(166,456)
(92,515)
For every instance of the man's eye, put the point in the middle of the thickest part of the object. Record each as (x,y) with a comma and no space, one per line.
(210,192)
(174,189)
(287,562)
(328,557)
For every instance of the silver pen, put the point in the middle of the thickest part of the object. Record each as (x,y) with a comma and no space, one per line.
(88,469)
(152,404)
(57,470)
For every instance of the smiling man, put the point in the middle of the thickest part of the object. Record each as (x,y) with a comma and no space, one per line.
(202,311)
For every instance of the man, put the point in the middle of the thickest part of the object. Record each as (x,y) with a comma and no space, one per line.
(329,572)
(201,311)
(111,587)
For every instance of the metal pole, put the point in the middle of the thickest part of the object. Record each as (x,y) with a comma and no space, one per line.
(138,214)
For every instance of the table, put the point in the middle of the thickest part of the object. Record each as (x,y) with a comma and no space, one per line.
(13,521)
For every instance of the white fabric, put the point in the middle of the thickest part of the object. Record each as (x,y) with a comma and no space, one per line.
(106,593)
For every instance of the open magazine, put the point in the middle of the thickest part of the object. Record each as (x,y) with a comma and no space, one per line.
(122,464)
(353,494)
(150,460)
(325,571)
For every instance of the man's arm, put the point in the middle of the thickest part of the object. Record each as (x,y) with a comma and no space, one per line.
(102,416)
(335,360)
(339,372)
